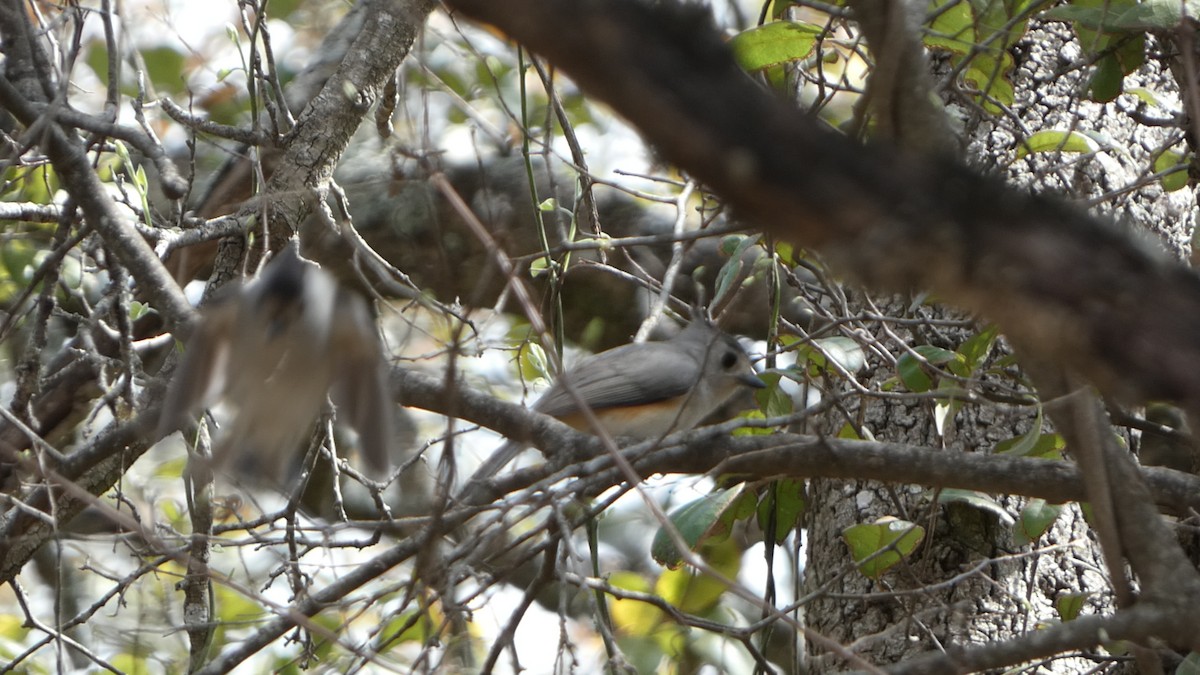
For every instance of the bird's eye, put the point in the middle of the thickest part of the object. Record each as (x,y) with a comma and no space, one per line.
(729,359)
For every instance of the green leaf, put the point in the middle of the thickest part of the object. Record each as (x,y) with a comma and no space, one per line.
(12,628)
(164,66)
(1107,79)
(1070,605)
(975,499)
(772,400)
(1057,141)
(1023,445)
(843,351)
(540,267)
(732,269)
(812,362)
(39,184)
(1035,446)
(990,77)
(912,371)
(1150,15)
(878,546)
(1113,32)
(936,355)
(409,627)
(1035,519)
(697,593)
(788,500)
(752,431)
(913,375)
(1145,96)
(709,517)
(1174,165)
(774,43)
(17,255)
(531,360)
(978,34)
(953,26)
(633,617)
(1130,51)
(1190,665)
(849,433)
(282,9)
(786,253)
(1091,18)
(732,244)
(975,351)
(138,309)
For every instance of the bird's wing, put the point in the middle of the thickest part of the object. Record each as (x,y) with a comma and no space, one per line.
(655,372)
(360,381)
(201,376)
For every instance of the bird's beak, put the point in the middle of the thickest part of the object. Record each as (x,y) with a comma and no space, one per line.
(751,380)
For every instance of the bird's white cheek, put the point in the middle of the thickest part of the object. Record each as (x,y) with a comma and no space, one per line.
(320,304)
(218,377)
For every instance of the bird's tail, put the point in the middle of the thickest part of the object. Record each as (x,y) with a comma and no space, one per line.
(490,468)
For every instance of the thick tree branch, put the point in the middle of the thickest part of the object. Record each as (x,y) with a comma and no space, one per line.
(712,449)
(1060,283)
(324,129)
(1127,523)
(1137,624)
(900,91)
(98,464)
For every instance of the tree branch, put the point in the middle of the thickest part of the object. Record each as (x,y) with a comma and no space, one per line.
(74,169)
(97,465)
(759,457)
(1060,283)
(1137,624)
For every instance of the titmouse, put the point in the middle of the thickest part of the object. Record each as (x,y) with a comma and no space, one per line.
(645,390)
(274,349)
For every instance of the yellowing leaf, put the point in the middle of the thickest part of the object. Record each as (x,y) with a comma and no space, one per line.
(633,617)
(694,592)
(1057,141)
(1174,165)
(774,43)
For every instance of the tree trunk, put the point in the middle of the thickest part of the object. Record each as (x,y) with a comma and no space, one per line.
(972,580)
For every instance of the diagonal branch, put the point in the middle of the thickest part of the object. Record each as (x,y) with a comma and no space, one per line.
(578,454)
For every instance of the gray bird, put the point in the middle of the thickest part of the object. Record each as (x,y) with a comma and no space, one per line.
(645,390)
(274,349)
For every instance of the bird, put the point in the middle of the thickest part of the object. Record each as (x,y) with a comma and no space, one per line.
(274,349)
(644,390)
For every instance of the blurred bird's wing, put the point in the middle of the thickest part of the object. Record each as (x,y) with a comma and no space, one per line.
(360,380)
(202,375)
(628,375)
